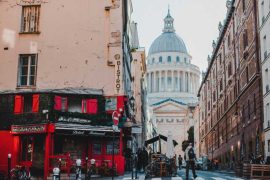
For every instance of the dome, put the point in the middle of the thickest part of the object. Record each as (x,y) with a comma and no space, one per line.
(168,42)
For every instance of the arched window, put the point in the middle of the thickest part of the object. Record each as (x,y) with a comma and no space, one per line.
(160,59)
(177,59)
(169,59)
(153,60)
(230,69)
(185,59)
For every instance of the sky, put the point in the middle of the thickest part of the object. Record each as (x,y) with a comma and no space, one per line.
(195,21)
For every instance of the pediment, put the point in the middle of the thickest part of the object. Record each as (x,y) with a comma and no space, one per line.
(170,107)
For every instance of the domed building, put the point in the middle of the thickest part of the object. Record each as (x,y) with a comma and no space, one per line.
(172,84)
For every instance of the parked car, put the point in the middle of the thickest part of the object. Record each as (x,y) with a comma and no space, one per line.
(199,164)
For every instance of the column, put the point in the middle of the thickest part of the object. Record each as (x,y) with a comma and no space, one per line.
(172,76)
(166,78)
(155,80)
(160,76)
(190,81)
(148,82)
(184,81)
(191,84)
(178,79)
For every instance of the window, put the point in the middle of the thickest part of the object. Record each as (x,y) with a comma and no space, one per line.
(245,39)
(27,103)
(221,85)
(27,148)
(96,148)
(185,60)
(254,107)
(153,60)
(177,59)
(248,109)
(169,59)
(169,81)
(89,106)
(229,69)
(268,145)
(160,59)
(262,12)
(264,47)
(244,5)
(109,147)
(229,40)
(60,103)
(30,19)
(27,70)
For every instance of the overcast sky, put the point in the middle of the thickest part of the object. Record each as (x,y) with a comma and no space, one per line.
(196,21)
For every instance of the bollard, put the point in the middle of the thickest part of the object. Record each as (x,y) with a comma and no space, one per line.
(56,173)
(78,169)
(9,166)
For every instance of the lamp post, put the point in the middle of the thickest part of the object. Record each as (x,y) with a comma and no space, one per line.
(115,118)
(9,166)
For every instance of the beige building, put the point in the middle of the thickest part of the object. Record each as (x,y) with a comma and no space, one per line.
(172,82)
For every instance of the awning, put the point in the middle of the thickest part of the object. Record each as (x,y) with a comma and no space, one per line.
(83,130)
(157,138)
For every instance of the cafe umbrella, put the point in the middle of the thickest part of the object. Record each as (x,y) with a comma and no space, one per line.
(159,138)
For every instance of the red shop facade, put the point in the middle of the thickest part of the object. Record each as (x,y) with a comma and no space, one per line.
(41,146)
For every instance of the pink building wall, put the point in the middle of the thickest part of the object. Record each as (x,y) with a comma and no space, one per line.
(76,47)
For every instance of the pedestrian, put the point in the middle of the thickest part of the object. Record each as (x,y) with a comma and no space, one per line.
(180,159)
(144,158)
(190,158)
(140,160)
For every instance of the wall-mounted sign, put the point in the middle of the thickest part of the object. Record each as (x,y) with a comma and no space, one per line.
(29,129)
(118,73)
(111,104)
(30,2)
(136,130)
(80,132)
(74,120)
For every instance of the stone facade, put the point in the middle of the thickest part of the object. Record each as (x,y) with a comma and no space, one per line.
(230,94)
(264,29)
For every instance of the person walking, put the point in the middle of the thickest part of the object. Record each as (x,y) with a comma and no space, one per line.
(190,158)
(180,159)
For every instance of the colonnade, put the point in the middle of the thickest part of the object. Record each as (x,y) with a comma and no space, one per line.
(172,80)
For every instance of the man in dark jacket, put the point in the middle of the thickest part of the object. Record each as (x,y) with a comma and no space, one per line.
(180,159)
(190,159)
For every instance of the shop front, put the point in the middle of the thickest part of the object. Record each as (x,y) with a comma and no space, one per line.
(42,147)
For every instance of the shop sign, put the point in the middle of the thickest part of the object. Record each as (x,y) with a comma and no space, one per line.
(111,104)
(31,2)
(28,129)
(74,120)
(80,132)
(136,130)
(118,73)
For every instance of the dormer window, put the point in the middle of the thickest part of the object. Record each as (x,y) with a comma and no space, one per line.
(177,59)
(160,59)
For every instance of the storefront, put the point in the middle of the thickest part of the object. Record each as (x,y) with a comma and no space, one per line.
(42,147)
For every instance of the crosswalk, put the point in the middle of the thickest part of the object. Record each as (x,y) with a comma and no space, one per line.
(198,178)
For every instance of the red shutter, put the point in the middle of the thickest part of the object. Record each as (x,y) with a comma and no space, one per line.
(18,104)
(92,106)
(83,106)
(35,104)
(66,104)
(58,103)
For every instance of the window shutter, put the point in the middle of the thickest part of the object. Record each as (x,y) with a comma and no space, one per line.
(58,103)
(35,104)
(84,105)
(92,106)
(18,105)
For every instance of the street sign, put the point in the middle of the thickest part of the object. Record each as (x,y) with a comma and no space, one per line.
(115,117)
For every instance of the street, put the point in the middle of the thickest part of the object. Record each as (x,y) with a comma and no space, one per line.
(207,175)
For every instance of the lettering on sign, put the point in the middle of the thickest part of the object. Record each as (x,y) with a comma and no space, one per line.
(74,120)
(31,2)
(28,129)
(118,73)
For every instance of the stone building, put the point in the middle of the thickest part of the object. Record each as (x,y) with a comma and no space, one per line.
(172,84)
(264,29)
(230,93)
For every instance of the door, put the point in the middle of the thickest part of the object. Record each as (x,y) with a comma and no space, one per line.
(38,156)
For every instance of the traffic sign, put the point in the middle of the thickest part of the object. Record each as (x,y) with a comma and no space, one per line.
(115,116)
